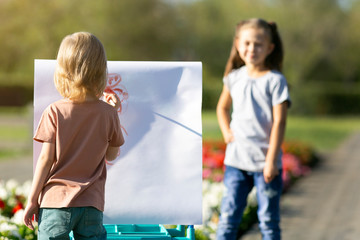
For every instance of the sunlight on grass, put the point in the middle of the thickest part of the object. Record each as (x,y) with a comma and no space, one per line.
(13,133)
(211,130)
(10,153)
(322,133)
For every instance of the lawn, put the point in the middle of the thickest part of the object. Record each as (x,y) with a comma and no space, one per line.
(15,132)
(322,133)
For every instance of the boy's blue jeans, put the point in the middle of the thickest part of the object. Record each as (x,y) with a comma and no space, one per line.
(57,223)
(238,184)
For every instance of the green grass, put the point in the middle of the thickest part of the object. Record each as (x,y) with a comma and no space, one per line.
(15,133)
(322,133)
(14,111)
(11,153)
(211,130)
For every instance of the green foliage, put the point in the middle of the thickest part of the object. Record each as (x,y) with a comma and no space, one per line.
(199,235)
(248,220)
(320,39)
(26,233)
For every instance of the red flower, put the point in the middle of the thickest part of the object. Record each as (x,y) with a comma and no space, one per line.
(2,204)
(213,154)
(18,207)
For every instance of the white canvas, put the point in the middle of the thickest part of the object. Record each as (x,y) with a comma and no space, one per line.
(157,179)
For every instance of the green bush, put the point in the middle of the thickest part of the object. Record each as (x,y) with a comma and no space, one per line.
(326,99)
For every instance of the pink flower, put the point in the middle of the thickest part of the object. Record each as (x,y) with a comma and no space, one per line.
(218,177)
(293,166)
(206,173)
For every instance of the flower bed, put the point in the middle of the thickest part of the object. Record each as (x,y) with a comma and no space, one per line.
(12,202)
(297,159)
(297,162)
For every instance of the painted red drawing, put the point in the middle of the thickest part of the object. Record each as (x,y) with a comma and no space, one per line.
(114,86)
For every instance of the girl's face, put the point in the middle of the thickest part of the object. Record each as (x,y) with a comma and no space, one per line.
(253,45)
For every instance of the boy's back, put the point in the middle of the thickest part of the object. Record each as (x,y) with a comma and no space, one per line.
(78,133)
(82,133)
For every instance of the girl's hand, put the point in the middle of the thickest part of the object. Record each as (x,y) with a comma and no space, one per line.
(270,171)
(112,99)
(31,210)
(228,136)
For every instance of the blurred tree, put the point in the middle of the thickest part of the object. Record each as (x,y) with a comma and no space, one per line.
(320,37)
(141,30)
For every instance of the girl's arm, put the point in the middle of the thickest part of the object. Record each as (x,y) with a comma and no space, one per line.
(223,114)
(43,166)
(276,138)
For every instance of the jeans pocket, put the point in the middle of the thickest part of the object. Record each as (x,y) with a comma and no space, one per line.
(93,219)
(54,222)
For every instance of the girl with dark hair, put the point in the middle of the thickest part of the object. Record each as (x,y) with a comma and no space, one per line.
(258,94)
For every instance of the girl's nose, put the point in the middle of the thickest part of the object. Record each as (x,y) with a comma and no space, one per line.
(251,47)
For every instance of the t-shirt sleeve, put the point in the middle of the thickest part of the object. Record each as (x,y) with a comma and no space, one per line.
(116,138)
(46,130)
(280,91)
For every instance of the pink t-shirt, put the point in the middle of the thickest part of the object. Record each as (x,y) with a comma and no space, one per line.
(82,133)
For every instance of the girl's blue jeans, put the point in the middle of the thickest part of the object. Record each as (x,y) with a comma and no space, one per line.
(57,223)
(238,184)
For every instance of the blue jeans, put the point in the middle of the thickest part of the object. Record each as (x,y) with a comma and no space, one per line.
(57,223)
(238,184)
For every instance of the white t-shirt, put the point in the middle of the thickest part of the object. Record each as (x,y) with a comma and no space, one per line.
(252,117)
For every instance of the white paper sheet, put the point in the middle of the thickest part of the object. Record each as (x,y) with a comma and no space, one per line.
(157,178)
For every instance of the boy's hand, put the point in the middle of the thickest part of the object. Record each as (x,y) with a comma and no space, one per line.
(270,171)
(112,99)
(31,210)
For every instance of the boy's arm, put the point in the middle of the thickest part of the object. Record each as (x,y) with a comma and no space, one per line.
(276,138)
(43,166)
(113,100)
(112,153)
(223,114)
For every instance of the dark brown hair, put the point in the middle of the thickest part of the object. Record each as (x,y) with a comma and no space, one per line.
(273,60)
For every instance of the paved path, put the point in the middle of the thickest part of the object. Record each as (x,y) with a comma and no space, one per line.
(19,168)
(326,204)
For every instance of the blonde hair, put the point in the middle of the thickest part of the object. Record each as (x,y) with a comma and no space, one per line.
(81,67)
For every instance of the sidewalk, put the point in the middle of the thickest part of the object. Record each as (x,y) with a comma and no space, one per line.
(326,204)
(19,168)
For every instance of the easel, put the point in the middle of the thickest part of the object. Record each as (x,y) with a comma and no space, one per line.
(142,231)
